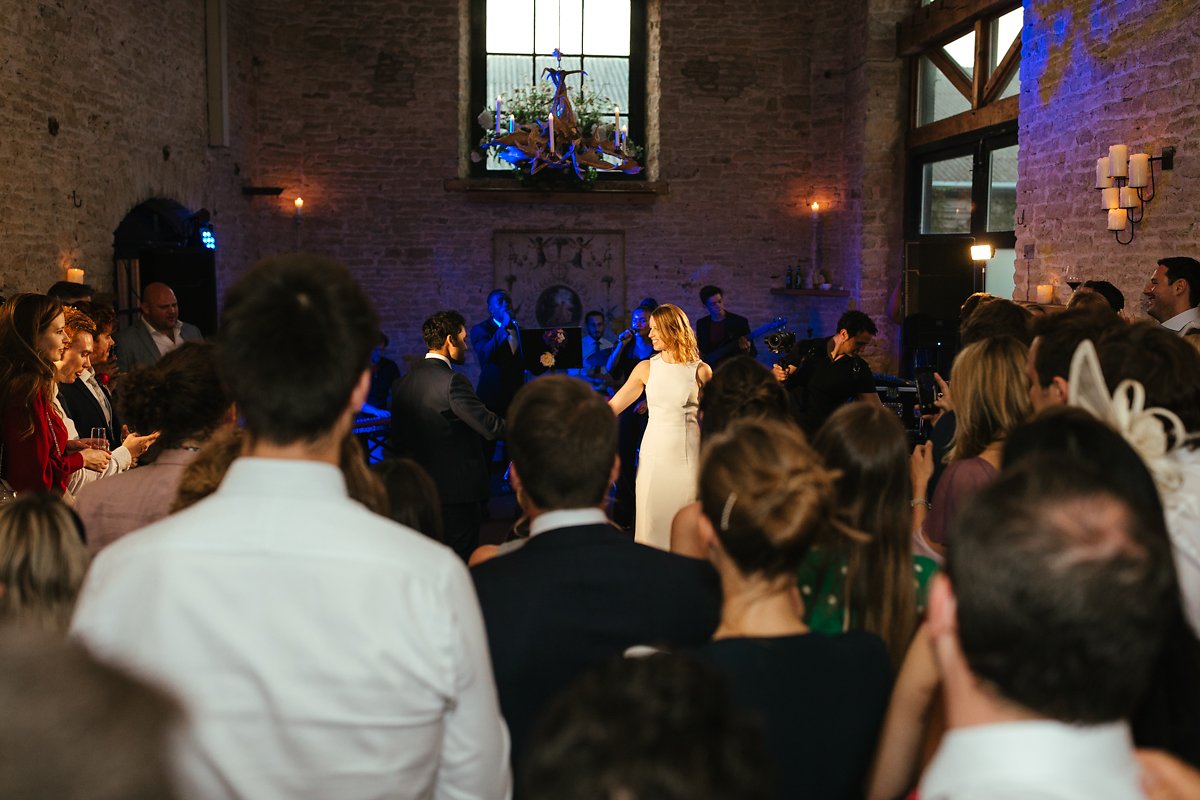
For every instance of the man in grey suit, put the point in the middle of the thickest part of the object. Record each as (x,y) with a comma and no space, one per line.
(159,332)
(439,422)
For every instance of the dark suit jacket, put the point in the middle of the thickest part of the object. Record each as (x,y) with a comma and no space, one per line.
(136,347)
(735,326)
(501,371)
(439,422)
(574,597)
(84,410)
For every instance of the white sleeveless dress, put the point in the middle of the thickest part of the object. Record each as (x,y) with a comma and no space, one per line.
(669,460)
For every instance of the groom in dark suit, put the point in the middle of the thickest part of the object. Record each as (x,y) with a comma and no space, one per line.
(441,424)
(577,591)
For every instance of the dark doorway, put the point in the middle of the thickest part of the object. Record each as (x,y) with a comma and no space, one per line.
(162,241)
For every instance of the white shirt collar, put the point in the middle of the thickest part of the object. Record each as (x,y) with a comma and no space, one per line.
(276,477)
(566,518)
(1084,761)
(1184,319)
(439,357)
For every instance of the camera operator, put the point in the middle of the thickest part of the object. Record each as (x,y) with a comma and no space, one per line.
(822,374)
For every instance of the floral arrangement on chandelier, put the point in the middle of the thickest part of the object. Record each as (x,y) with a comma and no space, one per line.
(543,130)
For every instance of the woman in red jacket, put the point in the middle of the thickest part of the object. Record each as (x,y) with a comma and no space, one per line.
(32,436)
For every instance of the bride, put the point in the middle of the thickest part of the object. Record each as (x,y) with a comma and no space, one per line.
(669,457)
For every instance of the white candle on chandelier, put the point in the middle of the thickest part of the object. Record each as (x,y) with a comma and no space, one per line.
(1139,170)
(1110,198)
(1103,179)
(499,103)
(550,123)
(1116,219)
(617,114)
(1118,160)
(512,123)
(624,136)
(1129,198)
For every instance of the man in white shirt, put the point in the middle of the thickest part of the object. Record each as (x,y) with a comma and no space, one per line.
(319,650)
(1173,292)
(159,332)
(595,350)
(1045,628)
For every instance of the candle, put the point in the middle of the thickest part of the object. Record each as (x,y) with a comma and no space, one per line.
(624,136)
(1103,179)
(617,114)
(1110,198)
(512,123)
(1129,198)
(816,208)
(550,124)
(74,275)
(1118,160)
(1045,293)
(1139,170)
(617,138)
(499,103)
(1116,219)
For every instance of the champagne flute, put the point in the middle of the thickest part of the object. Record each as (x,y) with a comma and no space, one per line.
(100,437)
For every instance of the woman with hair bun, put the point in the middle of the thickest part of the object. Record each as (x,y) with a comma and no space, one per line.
(181,396)
(669,456)
(765,498)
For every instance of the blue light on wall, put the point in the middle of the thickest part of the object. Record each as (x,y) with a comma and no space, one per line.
(207,239)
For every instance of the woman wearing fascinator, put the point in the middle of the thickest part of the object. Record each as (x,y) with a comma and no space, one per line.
(1144,381)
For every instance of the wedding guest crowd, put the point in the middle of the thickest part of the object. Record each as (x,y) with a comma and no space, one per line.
(808,608)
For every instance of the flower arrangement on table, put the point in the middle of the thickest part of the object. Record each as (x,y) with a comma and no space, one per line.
(537,129)
(554,340)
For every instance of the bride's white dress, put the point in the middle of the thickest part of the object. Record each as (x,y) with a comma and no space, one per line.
(670,455)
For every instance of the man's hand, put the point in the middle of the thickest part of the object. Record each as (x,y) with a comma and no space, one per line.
(96,460)
(783,373)
(743,343)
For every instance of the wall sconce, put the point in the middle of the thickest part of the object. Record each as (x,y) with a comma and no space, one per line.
(1121,179)
(74,275)
(981,254)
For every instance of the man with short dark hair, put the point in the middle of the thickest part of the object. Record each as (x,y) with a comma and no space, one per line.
(441,424)
(1045,627)
(595,350)
(722,333)
(1055,338)
(1173,292)
(822,374)
(1111,294)
(320,650)
(159,332)
(576,591)
(69,293)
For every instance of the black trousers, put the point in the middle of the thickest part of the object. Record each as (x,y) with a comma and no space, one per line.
(460,522)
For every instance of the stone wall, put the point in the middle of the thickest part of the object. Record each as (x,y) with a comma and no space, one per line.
(1095,75)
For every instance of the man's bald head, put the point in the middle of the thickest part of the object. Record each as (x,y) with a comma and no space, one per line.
(159,306)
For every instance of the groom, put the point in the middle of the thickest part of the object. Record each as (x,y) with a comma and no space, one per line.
(577,582)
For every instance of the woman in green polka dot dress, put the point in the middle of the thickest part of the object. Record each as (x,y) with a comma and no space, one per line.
(873,581)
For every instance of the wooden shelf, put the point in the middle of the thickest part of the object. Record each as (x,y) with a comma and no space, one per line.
(812,292)
(602,192)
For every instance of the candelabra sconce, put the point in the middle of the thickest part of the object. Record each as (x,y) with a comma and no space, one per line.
(1126,183)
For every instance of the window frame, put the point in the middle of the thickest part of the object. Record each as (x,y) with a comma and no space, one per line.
(477,89)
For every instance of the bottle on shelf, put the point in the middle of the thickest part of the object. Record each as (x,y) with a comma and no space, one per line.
(788,282)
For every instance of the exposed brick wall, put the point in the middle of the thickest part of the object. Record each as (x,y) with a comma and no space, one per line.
(1093,76)
(355,106)
(123,79)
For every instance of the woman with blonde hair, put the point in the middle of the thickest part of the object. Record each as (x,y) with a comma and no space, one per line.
(42,561)
(766,497)
(990,399)
(670,452)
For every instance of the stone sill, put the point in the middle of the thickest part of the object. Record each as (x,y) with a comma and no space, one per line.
(813,292)
(483,190)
